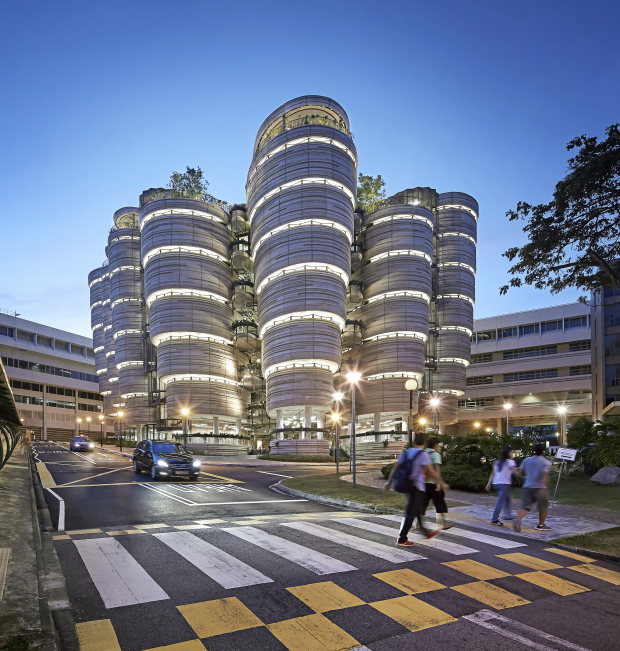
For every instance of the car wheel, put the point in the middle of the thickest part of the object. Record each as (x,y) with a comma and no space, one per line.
(193,477)
(153,473)
(71,448)
(136,469)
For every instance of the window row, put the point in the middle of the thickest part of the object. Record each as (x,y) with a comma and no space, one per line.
(61,391)
(538,351)
(47,342)
(26,386)
(611,315)
(63,404)
(82,406)
(532,328)
(477,402)
(530,352)
(28,400)
(51,370)
(586,369)
(87,395)
(7,332)
(530,375)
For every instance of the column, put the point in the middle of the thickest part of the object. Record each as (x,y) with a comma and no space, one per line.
(44,426)
(307,421)
(377,425)
(216,425)
(320,419)
(239,426)
(279,414)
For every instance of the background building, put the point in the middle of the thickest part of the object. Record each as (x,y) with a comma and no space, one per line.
(539,361)
(605,318)
(52,375)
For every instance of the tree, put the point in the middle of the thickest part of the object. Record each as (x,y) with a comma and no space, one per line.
(191,184)
(574,240)
(370,192)
(532,434)
(580,433)
(606,451)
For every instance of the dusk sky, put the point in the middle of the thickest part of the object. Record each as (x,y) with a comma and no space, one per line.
(103,100)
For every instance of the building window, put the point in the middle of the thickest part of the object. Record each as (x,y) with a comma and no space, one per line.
(7,332)
(87,395)
(62,345)
(577,346)
(487,335)
(530,375)
(611,291)
(52,370)
(612,345)
(482,358)
(476,402)
(82,406)
(551,326)
(612,315)
(44,341)
(28,400)
(77,350)
(530,352)
(531,329)
(62,404)
(61,391)
(90,352)
(26,386)
(473,338)
(504,333)
(481,379)
(23,335)
(577,322)
(586,369)
(612,375)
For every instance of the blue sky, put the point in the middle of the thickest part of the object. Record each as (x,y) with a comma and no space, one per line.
(103,100)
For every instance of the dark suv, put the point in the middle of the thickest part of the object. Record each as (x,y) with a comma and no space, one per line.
(164,459)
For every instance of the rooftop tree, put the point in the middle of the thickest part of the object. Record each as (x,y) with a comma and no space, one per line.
(192,184)
(370,192)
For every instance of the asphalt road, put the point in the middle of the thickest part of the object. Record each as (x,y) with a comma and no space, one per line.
(227,563)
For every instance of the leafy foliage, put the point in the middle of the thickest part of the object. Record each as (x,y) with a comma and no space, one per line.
(580,433)
(370,192)
(574,240)
(606,451)
(192,184)
(532,434)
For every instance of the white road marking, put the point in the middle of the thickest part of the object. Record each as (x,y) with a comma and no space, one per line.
(223,568)
(176,498)
(275,474)
(394,555)
(483,617)
(464,533)
(61,510)
(308,558)
(435,543)
(119,578)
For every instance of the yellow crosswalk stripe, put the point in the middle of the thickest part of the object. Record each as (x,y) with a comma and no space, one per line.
(409,581)
(575,557)
(98,635)
(529,561)
(77,532)
(598,572)
(326,596)
(490,594)
(61,537)
(312,633)
(124,532)
(414,614)
(209,618)
(151,526)
(476,570)
(553,583)
(47,481)
(192,645)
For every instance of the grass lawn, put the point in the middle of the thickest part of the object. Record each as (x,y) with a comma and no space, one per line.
(607,541)
(329,485)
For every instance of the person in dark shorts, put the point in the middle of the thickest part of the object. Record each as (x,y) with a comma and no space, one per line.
(436,487)
(535,487)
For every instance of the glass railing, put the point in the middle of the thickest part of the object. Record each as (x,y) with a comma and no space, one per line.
(302,122)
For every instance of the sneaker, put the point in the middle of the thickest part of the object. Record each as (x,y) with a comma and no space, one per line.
(431,534)
(497,523)
(406,543)
(543,527)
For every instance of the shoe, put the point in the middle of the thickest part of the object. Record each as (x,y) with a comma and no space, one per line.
(406,543)
(516,527)
(431,534)
(447,526)
(497,523)
(543,527)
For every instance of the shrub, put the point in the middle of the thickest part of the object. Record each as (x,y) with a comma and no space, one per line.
(387,469)
(463,477)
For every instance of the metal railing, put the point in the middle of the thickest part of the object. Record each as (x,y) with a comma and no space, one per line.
(302,122)
(9,419)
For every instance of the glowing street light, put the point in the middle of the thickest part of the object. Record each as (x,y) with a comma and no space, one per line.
(101,419)
(476,425)
(185,414)
(338,396)
(88,419)
(411,385)
(422,421)
(507,407)
(562,426)
(353,378)
(435,402)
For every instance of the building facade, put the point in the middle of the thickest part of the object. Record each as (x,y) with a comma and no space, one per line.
(52,375)
(605,318)
(537,361)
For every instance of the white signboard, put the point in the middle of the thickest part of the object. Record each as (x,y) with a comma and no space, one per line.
(566,454)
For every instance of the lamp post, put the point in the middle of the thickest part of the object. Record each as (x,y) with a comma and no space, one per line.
(185,413)
(336,418)
(562,427)
(79,422)
(88,419)
(353,378)
(411,386)
(120,417)
(507,407)
(101,419)
(434,404)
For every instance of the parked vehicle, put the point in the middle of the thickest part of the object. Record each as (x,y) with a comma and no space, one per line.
(164,459)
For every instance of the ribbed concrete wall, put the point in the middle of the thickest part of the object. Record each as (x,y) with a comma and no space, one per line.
(457,216)
(300,199)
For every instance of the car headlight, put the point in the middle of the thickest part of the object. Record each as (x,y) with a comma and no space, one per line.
(196,464)
(91,446)
(162,464)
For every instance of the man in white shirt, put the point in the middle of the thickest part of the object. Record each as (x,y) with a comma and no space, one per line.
(535,489)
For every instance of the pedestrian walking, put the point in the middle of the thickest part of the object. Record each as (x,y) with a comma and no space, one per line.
(408,476)
(436,488)
(501,480)
(535,487)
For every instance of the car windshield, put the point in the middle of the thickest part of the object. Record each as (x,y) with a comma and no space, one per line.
(81,438)
(163,448)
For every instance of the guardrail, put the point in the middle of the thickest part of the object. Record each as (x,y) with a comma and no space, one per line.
(9,419)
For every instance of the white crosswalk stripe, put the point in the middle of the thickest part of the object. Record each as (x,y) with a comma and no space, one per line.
(435,543)
(215,563)
(119,578)
(503,543)
(394,555)
(310,559)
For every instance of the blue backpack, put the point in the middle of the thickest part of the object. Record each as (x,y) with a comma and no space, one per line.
(402,479)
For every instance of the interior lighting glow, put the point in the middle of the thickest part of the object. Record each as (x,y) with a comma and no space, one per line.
(458,264)
(190,293)
(391,218)
(312,180)
(461,296)
(178,211)
(118,404)
(469,237)
(112,379)
(98,280)
(305,266)
(97,325)
(302,141)
(96,350)
(107,300)
(400,294)
(105,328)
(124,267)
(399,375)
(193,250)
(326,223)
(467,331)
(132,363)
(95,304)
(110,352)
(302,316)
(457,360)
(457,207)
(124,237)
(389,335)
(391,254)
(199,336)
(451,392)
(323,364)
(101,371)
(129,331)
(106,393)
(198,377)
(123,300)
(132,395)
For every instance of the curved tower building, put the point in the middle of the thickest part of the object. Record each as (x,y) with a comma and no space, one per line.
(301,194)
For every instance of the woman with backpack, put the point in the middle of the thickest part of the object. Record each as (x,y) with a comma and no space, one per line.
(501,480)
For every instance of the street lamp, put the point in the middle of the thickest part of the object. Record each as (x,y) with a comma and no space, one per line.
(88,419)
(476,425)
(79,427)
(120,416)
(185,413)
(353,378)
(562,428)
(434,404)
(101,419)
(507,407)
(336,418)
(411,386)
(422,421)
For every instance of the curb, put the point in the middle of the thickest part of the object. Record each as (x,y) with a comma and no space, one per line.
(601,556)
